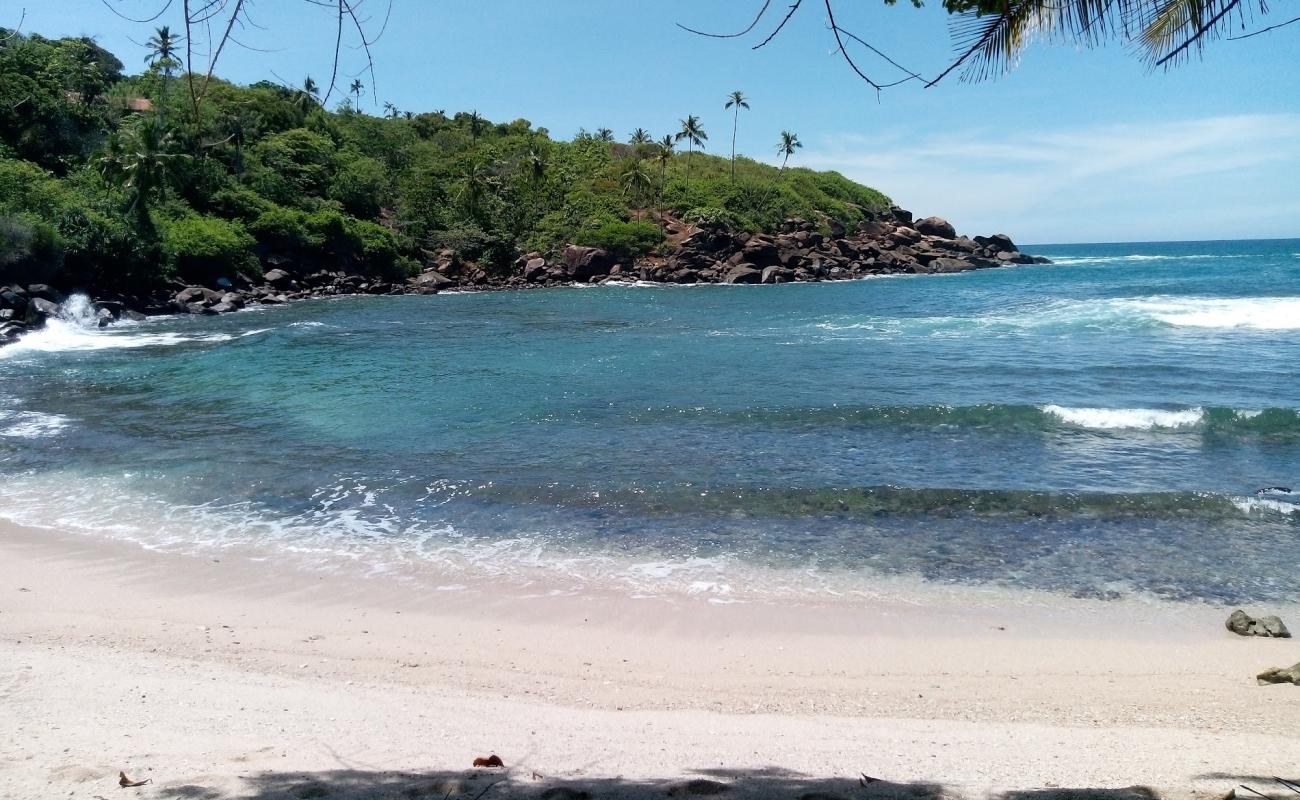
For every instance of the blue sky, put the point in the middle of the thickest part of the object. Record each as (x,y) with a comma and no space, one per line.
(1074,145)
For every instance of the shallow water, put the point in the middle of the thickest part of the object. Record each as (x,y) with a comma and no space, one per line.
(1096,427)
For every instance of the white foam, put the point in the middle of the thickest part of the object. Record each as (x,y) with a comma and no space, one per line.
(1067,261)
(31,424)
(1254,313)
(1125,418)
(1256,505)
(76,329)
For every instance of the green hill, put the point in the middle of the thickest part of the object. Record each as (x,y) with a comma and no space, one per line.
(118,182)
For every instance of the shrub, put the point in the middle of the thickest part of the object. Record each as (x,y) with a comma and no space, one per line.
(625,239)
(206,248)
(281,229)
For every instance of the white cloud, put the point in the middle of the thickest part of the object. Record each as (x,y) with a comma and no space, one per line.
(1214,177)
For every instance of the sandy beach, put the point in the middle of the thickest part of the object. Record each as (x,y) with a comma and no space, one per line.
(231,676)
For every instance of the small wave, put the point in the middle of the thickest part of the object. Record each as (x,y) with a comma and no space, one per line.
(1125,418)
(1137,257)
(76,329)
(1256,313)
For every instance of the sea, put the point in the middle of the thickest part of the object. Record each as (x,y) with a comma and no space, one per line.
(1121,423)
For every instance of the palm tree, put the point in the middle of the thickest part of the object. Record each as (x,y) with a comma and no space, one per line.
(309,95)
(391,111)
(665,155)
(356,89)
(536,164)
(475,125)
(477,181)
(142,165)
(636,181)
(736,100)
(110,162)
(604,135)
(237,126)
(162,54)
(694,136)
(639,136)
(789,143)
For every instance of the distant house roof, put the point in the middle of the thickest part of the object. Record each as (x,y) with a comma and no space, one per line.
(140,104)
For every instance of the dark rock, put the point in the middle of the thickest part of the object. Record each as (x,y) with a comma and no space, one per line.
(104,318)
(837,228)
(760,251)
(937,226)
(113,307)
(197,294)
(45,293)
(585,263)
(700,787)
(7,314)
(1242,624)
(1279,675)
(223,308)
(39,309)
(745,273)
(901,215)
(233,300)
(998,242)
(133,315)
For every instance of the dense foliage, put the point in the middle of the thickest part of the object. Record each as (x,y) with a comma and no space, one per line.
(112,181)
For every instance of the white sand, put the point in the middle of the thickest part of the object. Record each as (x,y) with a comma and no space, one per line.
(232,677)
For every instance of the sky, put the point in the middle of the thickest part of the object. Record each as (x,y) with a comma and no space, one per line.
(1073,145)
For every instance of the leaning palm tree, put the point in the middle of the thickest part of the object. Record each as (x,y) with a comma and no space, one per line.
(639,136)
(788,144)
(604,135)
(637,182)
(694,135)
(736,100)
(162,55)
(665,155)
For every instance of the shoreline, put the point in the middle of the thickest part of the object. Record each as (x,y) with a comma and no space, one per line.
(208,671)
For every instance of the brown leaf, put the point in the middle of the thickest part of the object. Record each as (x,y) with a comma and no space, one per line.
(127,783)
(489,761)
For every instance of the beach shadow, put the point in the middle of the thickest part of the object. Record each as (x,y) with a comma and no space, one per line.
(760,784)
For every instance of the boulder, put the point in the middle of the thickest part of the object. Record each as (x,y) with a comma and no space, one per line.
(1279,675)
(113,307)
(46,293)
(1242,624)
(901,215)
(998,242)
(11,331)
(432,279)
(12,299)
(197,294)
(946,265)
(6,315)
(535,269)
(760,251)
(937,226)
(745,273)
(278,278)
(104,318)
(40,309)
(777,275)
(585,263)
(232,299)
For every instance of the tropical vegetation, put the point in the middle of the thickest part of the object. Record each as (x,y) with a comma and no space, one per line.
(123,182)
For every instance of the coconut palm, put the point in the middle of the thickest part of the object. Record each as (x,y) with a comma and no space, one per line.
(665,155)
(636,181)
(788,144)
(142,164)
(475,125)
(694,135)
(356,89)
(110,162)
(604,135)
(237,126)
(736,100)
(639,136)
(391,111)
(475,185)
(162,55)
(308,96)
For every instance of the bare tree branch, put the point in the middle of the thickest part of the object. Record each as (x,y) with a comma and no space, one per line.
(1262,30)
(761,12)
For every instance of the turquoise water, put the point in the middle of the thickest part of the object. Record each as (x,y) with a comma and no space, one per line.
(1101,426)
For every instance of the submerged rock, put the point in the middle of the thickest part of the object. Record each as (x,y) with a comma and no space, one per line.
(1279,675)
(1242,624)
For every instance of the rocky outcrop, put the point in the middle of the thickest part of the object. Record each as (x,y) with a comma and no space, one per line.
(1279,675)
(1242,624)
(884,243)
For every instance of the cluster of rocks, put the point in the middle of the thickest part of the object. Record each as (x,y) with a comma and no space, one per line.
(885,243)
(1271,627)
(25,308)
